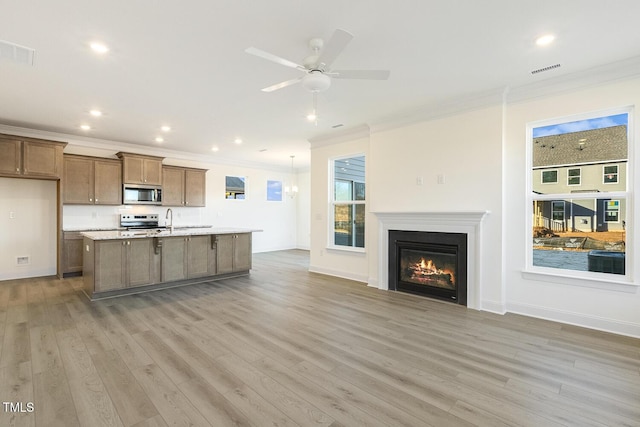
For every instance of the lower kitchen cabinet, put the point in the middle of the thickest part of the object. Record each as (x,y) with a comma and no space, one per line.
(233,252)
(72,252)
(117,264)
(185,257)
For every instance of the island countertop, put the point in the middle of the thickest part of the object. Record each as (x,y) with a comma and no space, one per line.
(178,231)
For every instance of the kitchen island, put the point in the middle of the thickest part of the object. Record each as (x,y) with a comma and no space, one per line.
(119,262)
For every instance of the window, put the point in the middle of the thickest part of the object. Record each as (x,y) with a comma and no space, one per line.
(610,174)
(549,177)
(348,202)
(234,187)
(612,211)
(580,230)
(573,176)
(557,211)
(274,191)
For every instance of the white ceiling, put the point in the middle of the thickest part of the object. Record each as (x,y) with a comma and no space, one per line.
(183,64)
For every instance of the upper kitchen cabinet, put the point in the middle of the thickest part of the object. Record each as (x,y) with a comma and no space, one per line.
(184,186)
(139,169)
(92,181)
(30,158)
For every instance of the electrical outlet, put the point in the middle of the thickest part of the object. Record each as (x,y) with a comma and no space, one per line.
(22,260)
(12,215)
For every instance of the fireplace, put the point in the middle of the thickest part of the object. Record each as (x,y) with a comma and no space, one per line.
(432,264)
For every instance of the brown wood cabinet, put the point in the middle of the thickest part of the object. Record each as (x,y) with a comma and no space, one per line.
(139,169)
(30,158)
(111,265)
(92,181)
(184,186)
(233,252)
(72,252)
(185,257)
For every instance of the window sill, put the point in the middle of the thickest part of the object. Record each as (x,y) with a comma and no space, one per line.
(608,281)
(338,249)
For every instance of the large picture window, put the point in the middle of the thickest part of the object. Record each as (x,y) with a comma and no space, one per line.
(579,221)
(348,202)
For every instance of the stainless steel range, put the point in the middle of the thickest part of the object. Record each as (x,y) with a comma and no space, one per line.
(139,221)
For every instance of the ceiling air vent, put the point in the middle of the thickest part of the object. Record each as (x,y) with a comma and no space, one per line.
(541,70)
(16,53)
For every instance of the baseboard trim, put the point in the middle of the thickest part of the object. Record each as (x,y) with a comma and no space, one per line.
(337,273)
(493,306)
(577,319)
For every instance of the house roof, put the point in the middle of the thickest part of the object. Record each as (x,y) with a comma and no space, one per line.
(587,146)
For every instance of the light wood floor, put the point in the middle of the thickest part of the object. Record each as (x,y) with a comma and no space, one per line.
(287,347)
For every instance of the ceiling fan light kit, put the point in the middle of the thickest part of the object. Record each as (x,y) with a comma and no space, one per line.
(316,81)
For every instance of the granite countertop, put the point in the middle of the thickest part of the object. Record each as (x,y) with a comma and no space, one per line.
(178,231)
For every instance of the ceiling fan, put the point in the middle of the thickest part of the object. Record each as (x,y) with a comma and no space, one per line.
(317,66)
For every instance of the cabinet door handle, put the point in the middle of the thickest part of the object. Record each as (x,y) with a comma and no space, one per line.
(17,169)
(96,200)
(128,243)
(91,200)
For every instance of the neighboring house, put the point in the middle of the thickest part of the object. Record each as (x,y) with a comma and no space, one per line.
(591,161)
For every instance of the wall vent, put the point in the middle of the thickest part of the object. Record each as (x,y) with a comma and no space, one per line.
(541,70)
(16,53)
(22,260)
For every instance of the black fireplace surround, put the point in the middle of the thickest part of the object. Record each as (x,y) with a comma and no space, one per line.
(432,264)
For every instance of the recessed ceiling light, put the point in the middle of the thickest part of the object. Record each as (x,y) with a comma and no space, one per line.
(312,117)
(85,127)
(165,128)
(99,47)
(545,40)
(238,141)
(95,113)
(159,139)
(214,148)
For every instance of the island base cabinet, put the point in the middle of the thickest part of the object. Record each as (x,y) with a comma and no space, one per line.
(233,252)
(185,257)
(111,265)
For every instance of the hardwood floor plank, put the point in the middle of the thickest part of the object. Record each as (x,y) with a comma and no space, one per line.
(53,398)
(213,405)
(170,402)
(131,402)
(93,404)
(299,410)
(16,389)
(15,345)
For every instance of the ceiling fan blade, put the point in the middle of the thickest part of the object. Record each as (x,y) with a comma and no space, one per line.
(334,47)
(360,74)
(281,85)
(271,57)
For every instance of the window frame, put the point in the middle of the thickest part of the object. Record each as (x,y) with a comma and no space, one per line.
(543,182)
(592,279)
(617,210)
(353,202)
(579,176)
(604,174)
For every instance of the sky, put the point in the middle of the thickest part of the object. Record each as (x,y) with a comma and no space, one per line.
(597,123)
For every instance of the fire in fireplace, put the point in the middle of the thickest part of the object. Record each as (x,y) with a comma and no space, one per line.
(429,263)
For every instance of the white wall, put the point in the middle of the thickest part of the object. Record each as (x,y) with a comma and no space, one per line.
(32,230)
(585,303)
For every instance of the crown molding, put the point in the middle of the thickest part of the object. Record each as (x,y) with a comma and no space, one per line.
(438,110)
(112,147)
(620,70)
(343,135)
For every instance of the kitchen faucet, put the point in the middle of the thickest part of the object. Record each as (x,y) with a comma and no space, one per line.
(169,211)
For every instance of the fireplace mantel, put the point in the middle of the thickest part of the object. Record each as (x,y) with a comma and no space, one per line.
(469,222)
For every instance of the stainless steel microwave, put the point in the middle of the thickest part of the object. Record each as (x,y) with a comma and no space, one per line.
(141,195)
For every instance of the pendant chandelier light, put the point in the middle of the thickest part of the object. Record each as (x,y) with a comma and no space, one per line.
(291,189)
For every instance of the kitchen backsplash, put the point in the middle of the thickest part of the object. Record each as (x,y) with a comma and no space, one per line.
(81,217)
